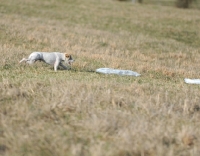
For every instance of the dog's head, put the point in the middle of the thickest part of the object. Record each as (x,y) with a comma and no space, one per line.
(68,59)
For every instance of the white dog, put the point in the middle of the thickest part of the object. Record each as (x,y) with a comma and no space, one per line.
(53,58)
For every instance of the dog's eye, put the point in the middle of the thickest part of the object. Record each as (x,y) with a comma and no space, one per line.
(67,55)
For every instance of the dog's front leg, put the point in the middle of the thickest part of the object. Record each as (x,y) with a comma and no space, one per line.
(57,62)
(62,65)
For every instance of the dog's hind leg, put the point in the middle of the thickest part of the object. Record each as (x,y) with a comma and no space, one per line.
(30,61)
(24,59)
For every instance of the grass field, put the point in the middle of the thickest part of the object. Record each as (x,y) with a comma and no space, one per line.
(79,112)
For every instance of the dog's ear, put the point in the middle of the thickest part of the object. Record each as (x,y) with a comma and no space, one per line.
(67,55)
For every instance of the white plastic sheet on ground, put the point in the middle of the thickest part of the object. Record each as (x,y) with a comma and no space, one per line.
(192,81)
(117,71)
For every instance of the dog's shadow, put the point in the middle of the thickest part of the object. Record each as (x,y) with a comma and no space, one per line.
(82,70)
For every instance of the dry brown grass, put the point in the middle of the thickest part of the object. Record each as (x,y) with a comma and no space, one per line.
(80,112)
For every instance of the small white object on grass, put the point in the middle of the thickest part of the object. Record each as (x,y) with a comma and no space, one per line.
(192,81)
(117,71)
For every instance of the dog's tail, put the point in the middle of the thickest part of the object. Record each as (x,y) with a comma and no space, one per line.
(24,59)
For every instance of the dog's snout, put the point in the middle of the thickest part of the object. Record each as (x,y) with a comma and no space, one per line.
(70,61)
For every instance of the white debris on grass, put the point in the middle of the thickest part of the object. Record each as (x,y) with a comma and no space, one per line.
(117,71)
(192,81)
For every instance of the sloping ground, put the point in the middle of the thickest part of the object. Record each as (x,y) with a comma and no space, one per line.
(80,112)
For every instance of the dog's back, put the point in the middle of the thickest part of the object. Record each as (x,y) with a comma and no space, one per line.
(48,57)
